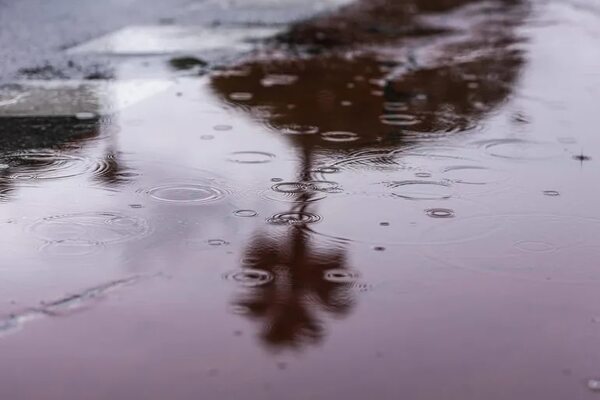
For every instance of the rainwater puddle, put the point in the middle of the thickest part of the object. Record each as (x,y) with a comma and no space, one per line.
(427,168)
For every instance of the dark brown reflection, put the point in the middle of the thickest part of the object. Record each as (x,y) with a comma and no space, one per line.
(388,74)
(379,21)
(386,93)
(305,281)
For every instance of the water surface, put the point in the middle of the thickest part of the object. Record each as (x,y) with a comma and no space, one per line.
(386,201)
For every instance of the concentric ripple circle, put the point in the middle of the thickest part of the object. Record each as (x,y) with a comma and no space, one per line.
(251,157)
(249,277)
(89,229)
(294,218)
(50,164)
(519,149)
(187,193)
(340,276)
(419,189)
(339,136)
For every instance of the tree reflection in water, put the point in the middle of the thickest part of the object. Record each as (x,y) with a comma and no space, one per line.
(390,75)
(305,280)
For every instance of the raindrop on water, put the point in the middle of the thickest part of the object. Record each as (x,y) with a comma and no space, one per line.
(420,189)
(395,106)
(217,242)
(251,157)
(50,164)
(535,246)
(520,149)
(472,174)
(339,136)
(294,129)
(278,80)
(324,186)
(440,213)
(71,248)
(294,218)
(241,96)
(551,193)
(245,213)
(250,277)
(187,193)
(290,187)
(89,229)
(312,190)
(423,175)
(399,119)
(327,170)
(340,276)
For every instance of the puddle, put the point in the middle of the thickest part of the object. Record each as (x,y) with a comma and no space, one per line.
(385,186)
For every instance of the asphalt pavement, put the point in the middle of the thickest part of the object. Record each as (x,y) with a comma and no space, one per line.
(36,34)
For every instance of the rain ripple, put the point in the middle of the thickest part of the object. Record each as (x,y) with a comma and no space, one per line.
(420,189)
(339,136)
(251,157)
(50,164)
(312,191)
(519,149)
(399,120)
(294,218)
(187,193)
(250,277)
(79,234)
(340,276)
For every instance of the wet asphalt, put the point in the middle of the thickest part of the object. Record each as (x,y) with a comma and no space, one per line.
(35,33)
